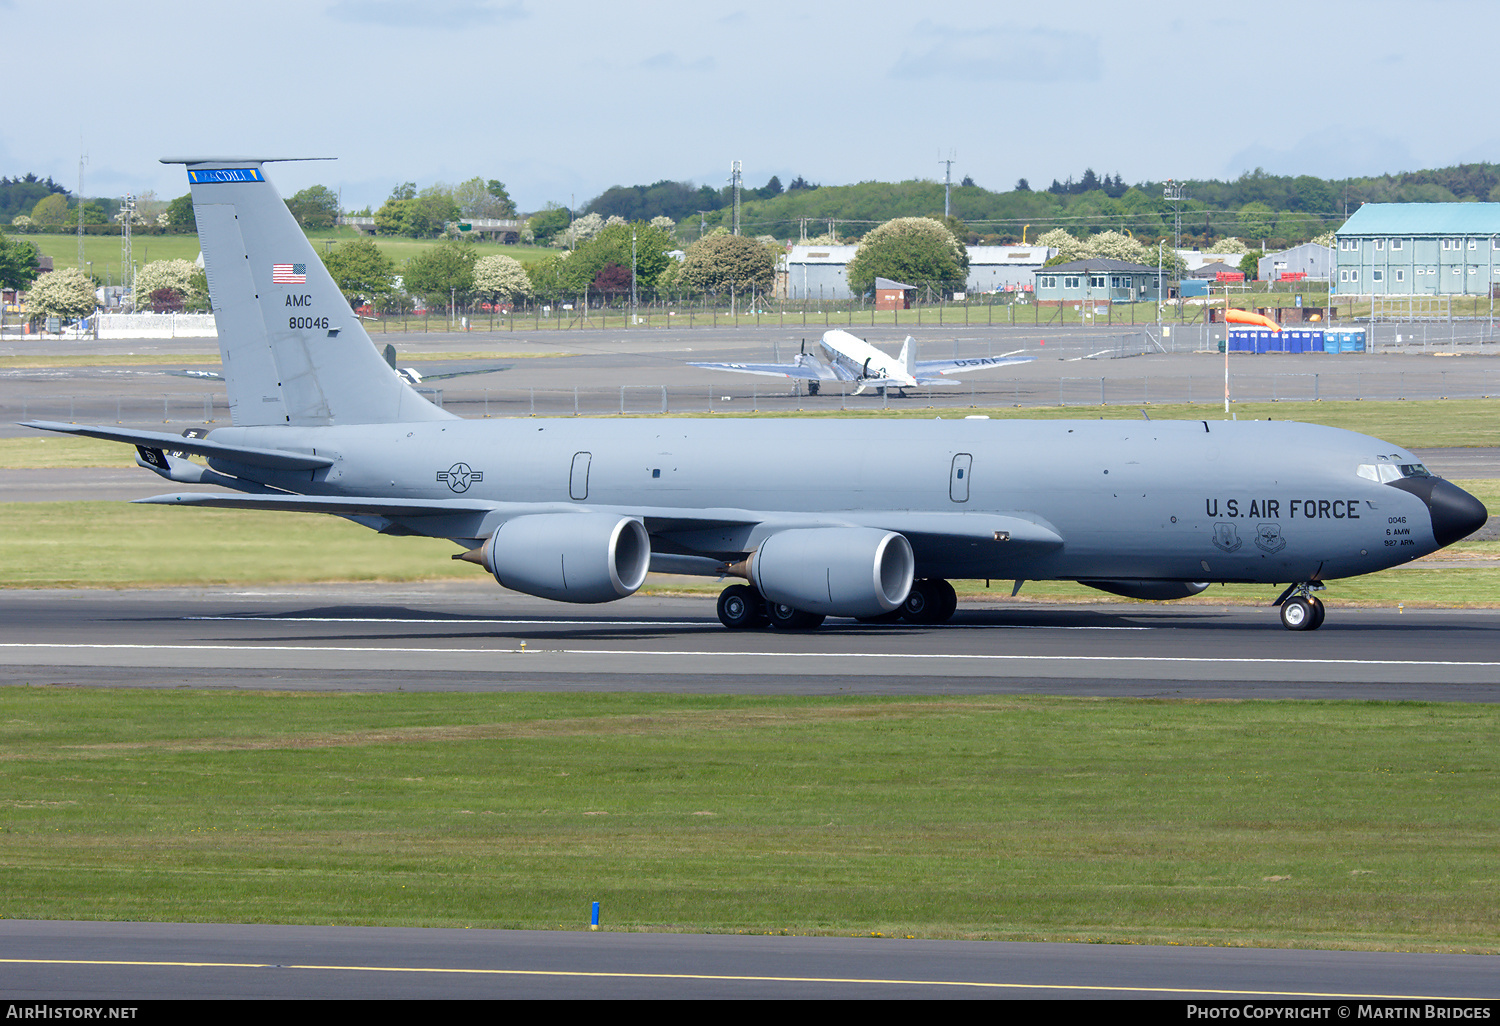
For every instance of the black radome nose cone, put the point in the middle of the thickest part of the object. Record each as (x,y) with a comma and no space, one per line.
(1455,513)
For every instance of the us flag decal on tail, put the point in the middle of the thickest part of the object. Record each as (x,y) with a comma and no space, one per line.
(288,274)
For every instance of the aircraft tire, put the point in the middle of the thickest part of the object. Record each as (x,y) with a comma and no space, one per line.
(1297,614)
(812,388)
(1318,613)
(741,608)
(785,618)
(932,601)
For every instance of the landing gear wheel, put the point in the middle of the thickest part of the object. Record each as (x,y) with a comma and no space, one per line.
(812,388)
(741,608)
(1297,614)
(932,601)
(1318,613)
(785,618)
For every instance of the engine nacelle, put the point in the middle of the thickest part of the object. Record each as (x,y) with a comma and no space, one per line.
(837,571)
(570,557)
(1157,591)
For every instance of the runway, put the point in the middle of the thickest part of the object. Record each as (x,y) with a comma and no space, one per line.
(478,637)
(124,962)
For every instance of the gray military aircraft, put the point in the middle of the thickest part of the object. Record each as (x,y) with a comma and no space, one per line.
(859,518)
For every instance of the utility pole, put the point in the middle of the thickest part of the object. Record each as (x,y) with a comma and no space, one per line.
(634,319)
(735,176)
(702,223)
(947,183)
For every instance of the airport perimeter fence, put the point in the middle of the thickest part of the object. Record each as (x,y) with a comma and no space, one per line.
(749,397)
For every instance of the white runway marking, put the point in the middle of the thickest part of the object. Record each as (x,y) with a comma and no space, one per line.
(757,654)
(602,623)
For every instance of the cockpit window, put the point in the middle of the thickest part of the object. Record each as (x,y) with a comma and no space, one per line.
(1388,472)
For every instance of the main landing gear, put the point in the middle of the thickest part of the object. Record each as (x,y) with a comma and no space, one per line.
(931,601)
(1301,610)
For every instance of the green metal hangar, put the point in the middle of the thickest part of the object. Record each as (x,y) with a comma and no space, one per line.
(1096,280)
(1422,249)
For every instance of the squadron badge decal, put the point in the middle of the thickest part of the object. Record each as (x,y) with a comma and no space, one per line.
(1226,537)
(1268,538)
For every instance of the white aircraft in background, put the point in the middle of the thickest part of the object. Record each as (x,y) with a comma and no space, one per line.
(847,357)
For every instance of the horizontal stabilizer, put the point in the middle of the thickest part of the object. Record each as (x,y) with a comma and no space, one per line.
(249,455)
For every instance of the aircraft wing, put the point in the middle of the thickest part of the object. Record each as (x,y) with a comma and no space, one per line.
(966,366)
(724,530)
(804,372)
(276,459)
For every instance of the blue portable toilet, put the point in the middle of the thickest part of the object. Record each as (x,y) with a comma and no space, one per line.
(1353,341)
(1330,341)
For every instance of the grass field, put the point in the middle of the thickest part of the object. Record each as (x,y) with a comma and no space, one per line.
(1307,824)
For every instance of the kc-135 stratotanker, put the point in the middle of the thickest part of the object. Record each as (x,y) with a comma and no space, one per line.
(853,518)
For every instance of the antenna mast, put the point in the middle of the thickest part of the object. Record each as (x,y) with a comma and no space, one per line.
(83,159)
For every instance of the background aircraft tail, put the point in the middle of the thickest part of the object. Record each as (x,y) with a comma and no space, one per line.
(294,352)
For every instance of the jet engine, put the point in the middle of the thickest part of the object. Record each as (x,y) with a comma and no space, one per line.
(837,571)
(1157,591)
(570,557)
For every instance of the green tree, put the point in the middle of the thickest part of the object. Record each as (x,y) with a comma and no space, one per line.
(19,265)
(918,251)
(613,245)
(507,205)
(546,224)
(441,272)
(50,211)
(316,207)
(180,214)
(362,272)
(721,263)
(1250,266)
(418,217)
(548,279)
(65,293)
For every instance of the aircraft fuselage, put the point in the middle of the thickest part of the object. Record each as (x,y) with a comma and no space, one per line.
(1178,500)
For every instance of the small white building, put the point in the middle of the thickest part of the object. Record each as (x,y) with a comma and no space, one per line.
(1309,259)
(1005,268)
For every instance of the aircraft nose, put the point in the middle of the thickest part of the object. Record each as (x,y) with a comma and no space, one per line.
(1455,513)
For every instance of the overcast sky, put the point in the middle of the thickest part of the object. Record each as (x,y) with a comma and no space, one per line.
(561,100)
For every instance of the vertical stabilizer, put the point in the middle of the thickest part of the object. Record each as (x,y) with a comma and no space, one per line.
(293,351)
(908,356)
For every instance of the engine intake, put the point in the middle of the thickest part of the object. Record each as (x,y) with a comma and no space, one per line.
(570,557)
(837,571)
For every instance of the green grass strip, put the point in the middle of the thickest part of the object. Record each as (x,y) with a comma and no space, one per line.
(1321,824)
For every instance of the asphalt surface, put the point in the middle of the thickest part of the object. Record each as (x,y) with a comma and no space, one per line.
(478,637)
(124,962)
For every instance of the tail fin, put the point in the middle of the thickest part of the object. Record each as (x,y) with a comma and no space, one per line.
(293,351)
(908,356)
